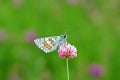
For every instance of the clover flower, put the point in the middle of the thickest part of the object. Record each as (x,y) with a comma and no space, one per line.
(30,36)
(67,51)
(96,70)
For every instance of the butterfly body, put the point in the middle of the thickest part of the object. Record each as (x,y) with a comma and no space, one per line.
(49,44)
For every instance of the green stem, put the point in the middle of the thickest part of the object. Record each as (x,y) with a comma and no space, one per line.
(67,69)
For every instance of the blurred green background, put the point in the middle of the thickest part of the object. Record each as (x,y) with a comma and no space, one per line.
(93,26)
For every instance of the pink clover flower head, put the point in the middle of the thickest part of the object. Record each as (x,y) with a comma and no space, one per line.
(30,36)
(96,70)
(67,51)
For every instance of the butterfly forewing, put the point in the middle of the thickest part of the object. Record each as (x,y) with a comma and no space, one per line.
(48,44)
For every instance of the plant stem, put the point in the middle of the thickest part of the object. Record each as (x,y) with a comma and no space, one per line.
(67,69)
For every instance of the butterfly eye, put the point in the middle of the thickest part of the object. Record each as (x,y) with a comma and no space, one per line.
(65,36)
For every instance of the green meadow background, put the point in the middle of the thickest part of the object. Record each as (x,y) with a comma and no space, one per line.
(92,26)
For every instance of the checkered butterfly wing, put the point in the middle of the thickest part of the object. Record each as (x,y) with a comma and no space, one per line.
(48,44)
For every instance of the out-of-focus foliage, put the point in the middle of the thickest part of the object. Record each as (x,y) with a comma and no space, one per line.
(93,26)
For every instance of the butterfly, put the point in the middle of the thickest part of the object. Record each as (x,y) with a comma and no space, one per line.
(49,44)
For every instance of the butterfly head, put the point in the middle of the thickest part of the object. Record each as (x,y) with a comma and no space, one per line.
(64,36)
